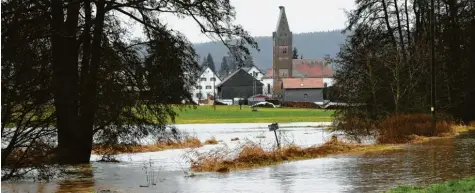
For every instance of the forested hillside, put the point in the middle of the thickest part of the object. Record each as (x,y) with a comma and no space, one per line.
(310,45)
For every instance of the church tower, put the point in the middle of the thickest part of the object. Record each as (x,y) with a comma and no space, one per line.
(282,52)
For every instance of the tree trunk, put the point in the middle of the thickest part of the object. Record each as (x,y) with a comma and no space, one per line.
(401,36)
(408,27)
(89,102)
(388,25)
(65,83)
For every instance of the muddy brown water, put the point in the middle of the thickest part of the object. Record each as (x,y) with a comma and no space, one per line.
(433,162)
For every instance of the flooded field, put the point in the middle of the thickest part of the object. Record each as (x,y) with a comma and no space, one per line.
(433,162)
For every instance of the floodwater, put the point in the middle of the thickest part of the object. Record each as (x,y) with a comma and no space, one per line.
(433,162)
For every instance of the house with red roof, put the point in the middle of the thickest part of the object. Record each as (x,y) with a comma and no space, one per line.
(314,74)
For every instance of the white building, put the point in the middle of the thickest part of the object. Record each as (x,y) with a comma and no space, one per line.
(268,84)
(206,85)
(255,72)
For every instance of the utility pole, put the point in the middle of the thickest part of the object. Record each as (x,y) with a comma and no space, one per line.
(432,82)
(254,86)
(214,93)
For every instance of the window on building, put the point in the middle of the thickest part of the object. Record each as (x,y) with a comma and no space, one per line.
(283,49)
(283,72)
(199,87)
(199,95)
(268,88)
(203,79)
(305,96)
(208,87)
(212,79)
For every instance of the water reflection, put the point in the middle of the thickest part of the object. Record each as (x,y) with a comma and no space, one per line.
(83,185)
(423,164)
(284,176)
(81,179)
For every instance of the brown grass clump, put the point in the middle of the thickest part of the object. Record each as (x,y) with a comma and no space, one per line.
(403,128)
(211,141)
(252,155)
(235,139)
(300,105)
(189,142)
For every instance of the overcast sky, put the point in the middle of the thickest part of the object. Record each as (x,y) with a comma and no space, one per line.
(259,17)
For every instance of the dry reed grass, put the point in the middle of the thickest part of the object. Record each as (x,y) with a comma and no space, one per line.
(404,128)
(188,142)
(252,155)
(211,141)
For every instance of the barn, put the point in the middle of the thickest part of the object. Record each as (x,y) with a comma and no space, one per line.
(239,84)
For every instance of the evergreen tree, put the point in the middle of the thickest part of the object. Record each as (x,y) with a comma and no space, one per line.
(204,63)
(232,59)
(210,62)
(224,66)
(295,53)
(248,61)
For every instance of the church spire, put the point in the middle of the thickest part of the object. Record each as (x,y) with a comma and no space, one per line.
(282,24)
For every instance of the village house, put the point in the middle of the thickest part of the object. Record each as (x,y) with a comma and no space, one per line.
(302,89)
(206,86)
(254,71)
(312,69)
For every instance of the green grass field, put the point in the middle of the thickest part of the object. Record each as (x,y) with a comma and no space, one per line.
(232,114)
(463,185)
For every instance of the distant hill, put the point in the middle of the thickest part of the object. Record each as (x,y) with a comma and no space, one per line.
(311,45)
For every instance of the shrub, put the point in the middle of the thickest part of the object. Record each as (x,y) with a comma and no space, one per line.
(211,141)
(300,105)
(402,128)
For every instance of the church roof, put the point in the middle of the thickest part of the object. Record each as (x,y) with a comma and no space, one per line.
(308,68)
(282,21)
